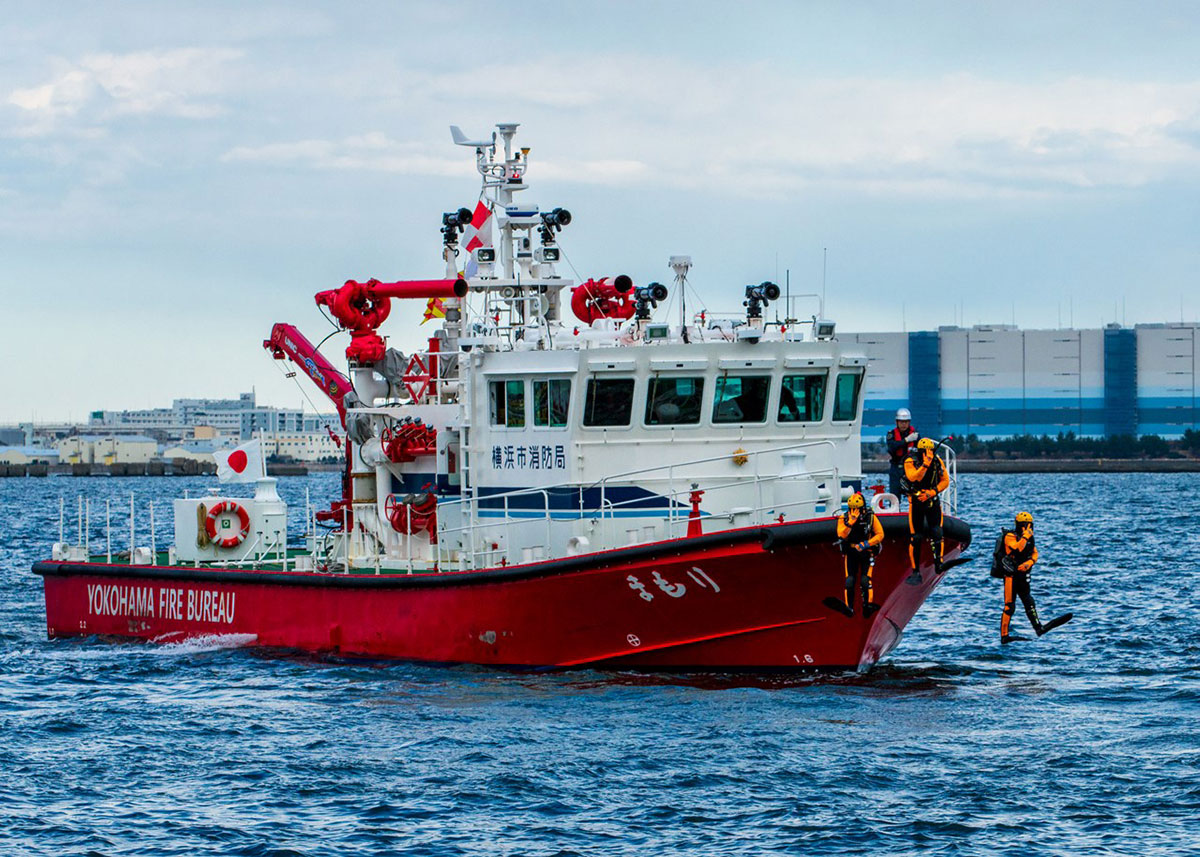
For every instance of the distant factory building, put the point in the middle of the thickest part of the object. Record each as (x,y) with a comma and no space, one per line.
(110,449)
(241,418)
(997,381)
(28,455)
(301,446)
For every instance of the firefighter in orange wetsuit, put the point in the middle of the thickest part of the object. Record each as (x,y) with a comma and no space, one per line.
(925,477)
(859,534)
(1020,556)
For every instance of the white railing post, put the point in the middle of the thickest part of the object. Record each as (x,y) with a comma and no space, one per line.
(62,517)
(346,538)
(132,530)
(108,530)
(153,541)
(758,488)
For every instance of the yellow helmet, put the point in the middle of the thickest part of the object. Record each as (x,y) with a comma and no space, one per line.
(856,501)
(1024,518)
(926,443)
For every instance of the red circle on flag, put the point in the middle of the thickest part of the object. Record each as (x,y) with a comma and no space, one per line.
(237,460)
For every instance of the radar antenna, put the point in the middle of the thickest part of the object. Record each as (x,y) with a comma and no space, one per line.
(681,265)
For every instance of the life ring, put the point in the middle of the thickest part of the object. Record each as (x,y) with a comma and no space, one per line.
(210,523)
(884,502)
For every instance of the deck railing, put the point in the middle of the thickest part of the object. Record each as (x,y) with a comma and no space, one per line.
(469,544)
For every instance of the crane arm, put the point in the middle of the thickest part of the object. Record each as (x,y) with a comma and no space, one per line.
(287,342)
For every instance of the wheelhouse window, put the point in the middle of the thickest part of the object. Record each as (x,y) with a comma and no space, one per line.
(507,403)
(609,402)
(674,401)
(845,397)
(741,399)
(802,398)
(551,401)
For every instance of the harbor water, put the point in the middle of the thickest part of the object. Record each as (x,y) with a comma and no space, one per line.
(1085,741)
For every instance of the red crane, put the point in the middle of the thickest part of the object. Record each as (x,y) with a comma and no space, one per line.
(288,342)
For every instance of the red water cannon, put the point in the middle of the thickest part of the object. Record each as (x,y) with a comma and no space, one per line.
(413,513)
(362,307)
(407,440)
(598,299)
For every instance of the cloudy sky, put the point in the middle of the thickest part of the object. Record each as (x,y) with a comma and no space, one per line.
(176,177)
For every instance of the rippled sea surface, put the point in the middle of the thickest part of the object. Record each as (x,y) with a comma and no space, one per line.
(1085,741)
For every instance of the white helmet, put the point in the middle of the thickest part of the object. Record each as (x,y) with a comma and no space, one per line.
(903,414)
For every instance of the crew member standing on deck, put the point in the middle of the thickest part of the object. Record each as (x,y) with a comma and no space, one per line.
(859,535)
(925,477)
(900,442)
(1020,556)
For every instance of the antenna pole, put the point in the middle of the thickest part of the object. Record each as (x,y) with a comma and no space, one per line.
(824,268)
(787,285)
(683,311)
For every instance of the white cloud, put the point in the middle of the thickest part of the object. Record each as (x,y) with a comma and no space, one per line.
(379,153)
(181,83)
(762,132)
(373,152)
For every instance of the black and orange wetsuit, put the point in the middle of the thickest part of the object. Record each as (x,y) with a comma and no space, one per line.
(1020,555)
(925,483)
(860,535)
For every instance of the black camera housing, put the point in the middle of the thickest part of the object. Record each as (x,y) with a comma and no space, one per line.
(758,297)
(453,223)
(553,221)
(647,298)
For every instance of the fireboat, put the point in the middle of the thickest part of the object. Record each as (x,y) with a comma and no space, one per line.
(627,488)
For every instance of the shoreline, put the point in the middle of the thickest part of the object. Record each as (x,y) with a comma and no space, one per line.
(1062,465)
(181,467)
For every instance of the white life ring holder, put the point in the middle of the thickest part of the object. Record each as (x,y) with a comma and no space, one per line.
(210,523)
(885,502)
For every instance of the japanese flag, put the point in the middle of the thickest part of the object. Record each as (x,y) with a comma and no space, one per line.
(243,464)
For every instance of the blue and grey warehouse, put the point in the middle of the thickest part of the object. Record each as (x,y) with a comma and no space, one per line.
(997,381)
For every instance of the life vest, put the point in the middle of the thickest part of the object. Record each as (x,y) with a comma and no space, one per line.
(860,531)
(933,475)
(900,454)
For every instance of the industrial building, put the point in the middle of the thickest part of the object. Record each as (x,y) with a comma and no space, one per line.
(21,455)
(301,446)
(241,417)
(997,381)
(110,449)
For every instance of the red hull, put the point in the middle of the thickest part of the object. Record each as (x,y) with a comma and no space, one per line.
(749,599)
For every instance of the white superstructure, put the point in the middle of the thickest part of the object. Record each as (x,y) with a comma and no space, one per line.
(540,434)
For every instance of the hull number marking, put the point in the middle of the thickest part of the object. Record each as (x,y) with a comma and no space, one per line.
(675,590)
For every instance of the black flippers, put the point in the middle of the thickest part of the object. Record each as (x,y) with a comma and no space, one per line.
(954,563)
(1055,623)
(914,579)
(870,609)
(840,606)
(1012,638)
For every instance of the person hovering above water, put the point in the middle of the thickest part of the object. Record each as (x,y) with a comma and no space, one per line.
(859,535)
(1016,555)
(900,442)
(925,477)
